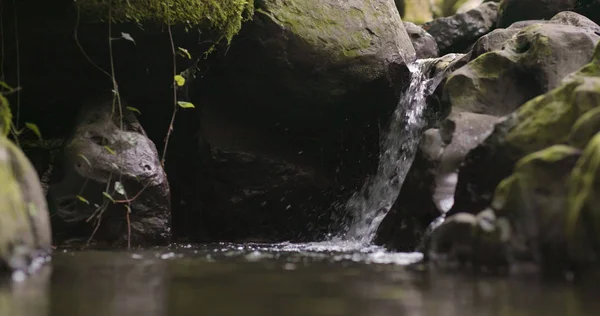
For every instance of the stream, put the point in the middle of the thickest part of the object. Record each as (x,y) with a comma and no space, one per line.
(280,279)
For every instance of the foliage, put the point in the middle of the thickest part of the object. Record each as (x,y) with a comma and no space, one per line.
(225,17)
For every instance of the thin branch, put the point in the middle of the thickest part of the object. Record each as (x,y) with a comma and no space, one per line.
(18,61)
(164,155)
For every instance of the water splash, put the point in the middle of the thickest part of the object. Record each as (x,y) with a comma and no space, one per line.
(369,206)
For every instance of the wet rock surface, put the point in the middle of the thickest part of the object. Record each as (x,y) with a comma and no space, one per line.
(424,44)
(109,185)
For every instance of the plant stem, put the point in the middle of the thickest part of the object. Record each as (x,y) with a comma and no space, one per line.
(174,99)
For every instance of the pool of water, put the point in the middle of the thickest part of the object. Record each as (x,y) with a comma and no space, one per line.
(282,279)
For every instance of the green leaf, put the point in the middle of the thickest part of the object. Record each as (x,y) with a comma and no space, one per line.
(85,158)
(82,199)
(108,196)
(119,188)
(132,109)
(184,52)
(110,150)
(34,128)
(127,36)
(5,85)
(180,80)
(185,105)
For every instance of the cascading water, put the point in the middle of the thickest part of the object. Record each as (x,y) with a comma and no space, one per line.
(369,206)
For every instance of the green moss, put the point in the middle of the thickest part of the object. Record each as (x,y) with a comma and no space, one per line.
(223,16)
(321,24)
(584,189)
(585,128)
(16,225)
(548,120)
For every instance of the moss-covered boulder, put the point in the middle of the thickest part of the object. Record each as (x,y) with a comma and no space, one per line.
(533,199)
(24,220)
(531,62)
(584,205)
(543,121)
(315,53)
(110,186)
(456,33)
(222,17)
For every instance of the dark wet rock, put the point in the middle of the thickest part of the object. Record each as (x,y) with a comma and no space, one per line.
(24,219)
(512,11)
(315,53)
(478,240)
(108,158)
(458,32)
(254,198)
(531,62)
(424,44)
(544,121)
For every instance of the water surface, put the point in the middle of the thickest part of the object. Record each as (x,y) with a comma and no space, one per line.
(269,280)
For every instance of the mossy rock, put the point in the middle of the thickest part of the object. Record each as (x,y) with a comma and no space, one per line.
(584,197)
(586,127)
(24,220)
(534,201)
(224,17)
(529,63)
(543,121)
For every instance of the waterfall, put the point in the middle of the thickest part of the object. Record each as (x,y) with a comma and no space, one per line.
(369,206)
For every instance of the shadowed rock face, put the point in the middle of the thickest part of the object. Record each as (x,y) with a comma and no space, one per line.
(108,158)
(24,221)
(456,33)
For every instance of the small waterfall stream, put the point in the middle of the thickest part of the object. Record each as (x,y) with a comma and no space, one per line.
(369,206)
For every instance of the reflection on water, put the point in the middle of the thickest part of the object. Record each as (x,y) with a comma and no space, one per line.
(284,279)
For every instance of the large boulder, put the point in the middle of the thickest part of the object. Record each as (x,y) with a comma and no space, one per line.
(312,55)
(24,219)
(109,185)
(583,221)
(543,121)
(458,32)
(531,62)
(424,44)
(534,200)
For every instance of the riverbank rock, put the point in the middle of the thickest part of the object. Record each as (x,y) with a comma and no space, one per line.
(531,62)
(458,32)
(534,200)
(24,221)
(543,121)
(424,44)
(110,184)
